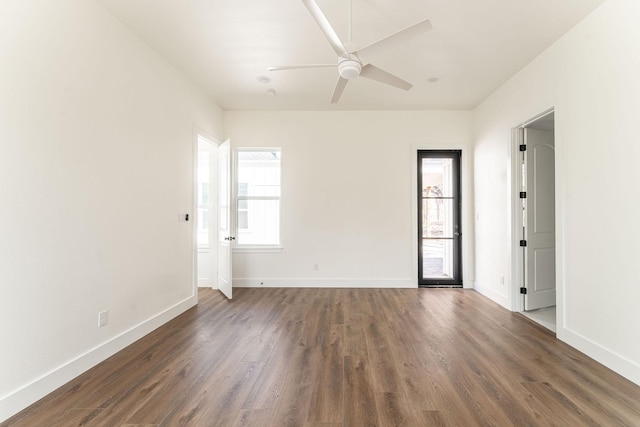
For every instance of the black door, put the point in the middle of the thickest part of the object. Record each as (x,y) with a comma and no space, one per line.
(439,232)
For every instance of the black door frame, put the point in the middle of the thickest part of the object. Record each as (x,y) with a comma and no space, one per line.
(456,280)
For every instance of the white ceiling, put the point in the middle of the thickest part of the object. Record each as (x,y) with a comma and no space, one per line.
(224,45)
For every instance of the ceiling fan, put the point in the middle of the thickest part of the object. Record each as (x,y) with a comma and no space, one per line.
(349,64)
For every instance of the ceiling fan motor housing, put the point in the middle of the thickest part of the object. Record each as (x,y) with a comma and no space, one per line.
(349,68)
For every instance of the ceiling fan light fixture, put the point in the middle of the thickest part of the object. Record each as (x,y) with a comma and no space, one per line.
(349,68)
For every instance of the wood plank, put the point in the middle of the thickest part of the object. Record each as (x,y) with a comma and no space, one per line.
(253,418)
(566,412)
(327,397)
(360,397)
(394,409)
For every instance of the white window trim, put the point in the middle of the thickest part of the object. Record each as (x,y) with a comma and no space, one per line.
(258,249)
(254,248)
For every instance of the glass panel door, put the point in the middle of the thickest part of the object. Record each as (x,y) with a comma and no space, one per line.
(439,218)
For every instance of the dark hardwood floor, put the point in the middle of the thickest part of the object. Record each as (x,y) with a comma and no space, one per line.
(344,357)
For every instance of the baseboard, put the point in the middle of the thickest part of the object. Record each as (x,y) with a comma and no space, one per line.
(19,399)
(305,282)
(503,300)
(617,363)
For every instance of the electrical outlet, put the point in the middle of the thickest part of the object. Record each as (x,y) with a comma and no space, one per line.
(103,317)
(502,280)
(316,267)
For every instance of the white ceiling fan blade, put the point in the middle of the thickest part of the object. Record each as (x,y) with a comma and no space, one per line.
(297,67)
(374,73)
(326,27)
(337,92)
(402,35)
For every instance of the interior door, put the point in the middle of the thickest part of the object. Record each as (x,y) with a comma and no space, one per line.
(225,239)
(540,265)
(439,231)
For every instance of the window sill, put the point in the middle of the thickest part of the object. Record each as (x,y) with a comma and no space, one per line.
(258,249)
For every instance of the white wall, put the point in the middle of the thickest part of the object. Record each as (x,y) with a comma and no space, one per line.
(348,194)
(590,76)
(96,153)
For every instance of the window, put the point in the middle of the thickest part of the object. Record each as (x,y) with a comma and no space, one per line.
(204,178)
(258,197)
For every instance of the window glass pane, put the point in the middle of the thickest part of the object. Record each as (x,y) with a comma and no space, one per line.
(437,258)
(203,194)
(204,179)
(437,177)
(243,189)
(259,173)
(262,223)
(437,218)
(223,195)
(243,218)
(203,226)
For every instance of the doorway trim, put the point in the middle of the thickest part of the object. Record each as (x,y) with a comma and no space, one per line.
(515,230)
(465,211)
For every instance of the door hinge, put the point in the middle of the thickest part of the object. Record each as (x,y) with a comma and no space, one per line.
(523,194)
(523,243)
(523,291)
(523,147)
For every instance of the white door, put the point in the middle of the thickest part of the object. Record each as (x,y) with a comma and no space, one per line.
(224,218)
(540,264)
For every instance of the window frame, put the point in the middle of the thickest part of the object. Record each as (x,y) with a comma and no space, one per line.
(255,247)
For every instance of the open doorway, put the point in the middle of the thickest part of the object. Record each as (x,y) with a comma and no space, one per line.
(206,211)
(534,211)
(439,219)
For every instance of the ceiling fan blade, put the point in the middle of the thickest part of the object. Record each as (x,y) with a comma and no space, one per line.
(326,27)
(402,35)
(374,73)
(297,67)
(337,92)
